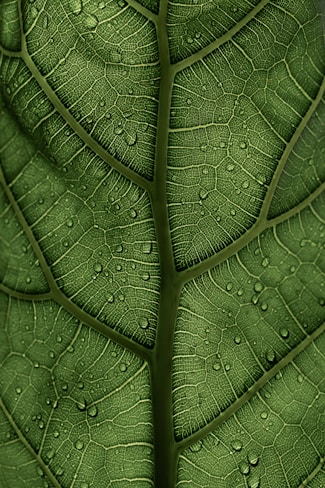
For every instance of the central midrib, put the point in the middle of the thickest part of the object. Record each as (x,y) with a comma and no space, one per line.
(165,454)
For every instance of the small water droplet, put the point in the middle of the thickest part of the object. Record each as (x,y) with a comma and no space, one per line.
(76,6)
(237,445)
(79,445)
(84,485)
(123,367)
(264,415)
(233,212)
(230,167)
(133,213)
(227,367)
(98,268)
(265,262)
(92,411)
(18,390)
(145,276)
(270,355)
(119,248)
(258,287)
(203,147)
(264,306)
(284,332)
(203,194)
(237,340)
(81,404)
(144,323)
(300,378)
(243,145)
(110,298)
(244,467)
(216,366)
(90,21)
(70,223)
(253,458)
(229,286)
(28,280)
(253,482)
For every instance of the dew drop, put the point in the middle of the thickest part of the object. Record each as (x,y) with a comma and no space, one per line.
(80,385)
(258,287)
(245,185)
(81,404)
(227,367)
(264,306)
(56,434)
(90,22)
(233,212)
(133,213)
(70,223)
(222,144)
(145,276)
(284,332)
(92,411)
(237,340)
(76,6)
(123,367)
(237,445)
(84,485)
(131,139)
(243,145)
(203,147)
(253,458)
(229,286)
(98,268)
(144,323)
(300,378)
(244,467)
(121,297)
(265,262)
(110,298)
(216,366)
(230,167)
(79,445)
(18,390)
(119,248)
(28,280)
(270,355)
(264,415)
(253,482)
(203,194)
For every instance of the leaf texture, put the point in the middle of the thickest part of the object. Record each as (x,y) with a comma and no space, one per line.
(162,225)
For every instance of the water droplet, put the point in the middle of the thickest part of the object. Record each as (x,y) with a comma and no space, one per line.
(80,385)
(216,366)
(110,298)
(265,262)
(76,6)
(237,445)
(145,276)
(144,323)
(258,287)
(90,22)
(284,332)
(39,471)
(245,185)
(121,297)
(123,367)
(230,167)
(253,482)
(56,434)
(133,213)
(131,139)
(264,306)
(50,454)
(92,411)
(222,144)
(254,299)
(292,269)
(264,415)
(189,39)
(237,340)
(59,471)
(79,445)
(84,485)
(227,367)
(243,145)
(119,248)
(18,390)
(196,447)
(300,378)
(41,424)
(203,147)
(229,286)
(244,467)
(28,280)
(65,387)
(70,223)
(270,355)
(81,404)
(98,268)
(233,212)
(253,458)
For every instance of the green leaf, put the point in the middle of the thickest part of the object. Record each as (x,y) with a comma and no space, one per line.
(162,225)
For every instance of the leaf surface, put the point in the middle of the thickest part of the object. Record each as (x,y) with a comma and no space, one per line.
(162,244)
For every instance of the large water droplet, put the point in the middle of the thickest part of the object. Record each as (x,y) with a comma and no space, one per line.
(244,467)
(253,458)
